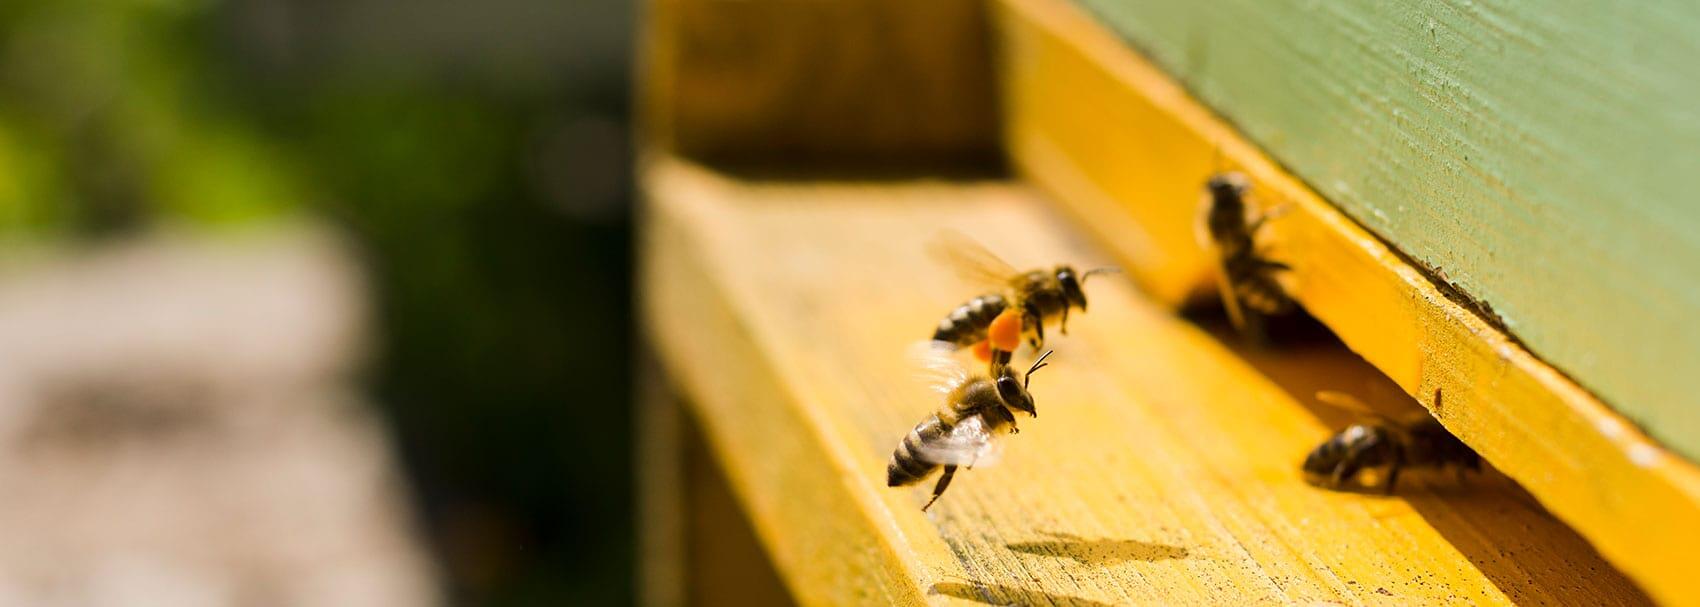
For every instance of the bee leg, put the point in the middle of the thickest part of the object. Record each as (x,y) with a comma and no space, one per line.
(1392,479)
(1265,264)
(1062,327)
(1350,465)
(1343,471)
(1031,318)
(1257,224)
(938,490)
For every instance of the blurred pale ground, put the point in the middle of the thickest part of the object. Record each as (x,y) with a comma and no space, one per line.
(178,429)
(314,302)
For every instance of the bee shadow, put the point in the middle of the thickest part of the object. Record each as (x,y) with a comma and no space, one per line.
(1101,551)
(995,594)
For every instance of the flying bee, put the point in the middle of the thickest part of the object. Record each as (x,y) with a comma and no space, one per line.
(977,410)
(1386,445)
(1227,228)
(1023,300)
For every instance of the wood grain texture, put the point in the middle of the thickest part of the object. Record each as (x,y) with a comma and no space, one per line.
(1123,146)
(1544,157)
(886,82)
(1162,470)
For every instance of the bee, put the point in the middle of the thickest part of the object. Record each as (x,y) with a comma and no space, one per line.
(1227,228)
(1385,444)
(977,410)
(1025,301)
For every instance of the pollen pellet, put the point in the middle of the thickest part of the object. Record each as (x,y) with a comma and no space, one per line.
(983,350)
(1005,332)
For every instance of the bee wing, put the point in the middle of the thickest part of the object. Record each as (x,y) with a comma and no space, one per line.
(1347,402)
(969,443)
(1342,400)
(1224,286)
(972,261)
(936,365)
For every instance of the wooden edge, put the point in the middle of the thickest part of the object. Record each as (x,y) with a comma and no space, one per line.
(830,541)
(661,489)
(1123,146)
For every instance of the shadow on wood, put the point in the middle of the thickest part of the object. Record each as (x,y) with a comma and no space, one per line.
(994,594)
(1099,551)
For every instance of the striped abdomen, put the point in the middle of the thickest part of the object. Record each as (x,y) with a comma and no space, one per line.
(907,468)
(966,325)
(1255,285)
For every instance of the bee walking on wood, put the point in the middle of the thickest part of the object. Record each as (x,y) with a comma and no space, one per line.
(1385,445)
(1227,228)
(1022,301)
(977,410)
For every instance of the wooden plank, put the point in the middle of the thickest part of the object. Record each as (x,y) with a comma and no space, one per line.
(1164,469)
(728,566)
(662,501)
(695,545)
(1542,156)
(891,83)
(1121,144)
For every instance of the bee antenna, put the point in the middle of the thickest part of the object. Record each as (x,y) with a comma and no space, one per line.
(1103,270)
(1037,365)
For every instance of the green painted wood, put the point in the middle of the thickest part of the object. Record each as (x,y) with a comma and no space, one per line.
(1542,157)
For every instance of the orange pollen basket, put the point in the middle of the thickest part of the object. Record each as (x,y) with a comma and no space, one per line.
(1005,332)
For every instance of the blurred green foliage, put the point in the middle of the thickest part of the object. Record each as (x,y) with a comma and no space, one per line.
(103,126)
(468,151)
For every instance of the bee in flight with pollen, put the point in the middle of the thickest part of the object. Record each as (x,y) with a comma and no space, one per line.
(1018,303)
(1386,446)
(964,431)
(1246,279)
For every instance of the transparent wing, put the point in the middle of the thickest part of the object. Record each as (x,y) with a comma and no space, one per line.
(1347,402)
(1224,287)
(968,444)
(1344,401)
(936,365)
(970,260)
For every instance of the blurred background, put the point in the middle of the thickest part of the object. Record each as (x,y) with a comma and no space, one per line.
(315,302)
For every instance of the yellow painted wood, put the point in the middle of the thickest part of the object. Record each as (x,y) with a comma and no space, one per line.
(1163,468)
(695,545)
(1123,147)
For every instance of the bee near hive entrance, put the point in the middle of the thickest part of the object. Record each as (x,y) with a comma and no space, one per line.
(964,431)
(1017,305)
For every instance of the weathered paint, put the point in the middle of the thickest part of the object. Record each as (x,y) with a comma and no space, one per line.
(1541,157)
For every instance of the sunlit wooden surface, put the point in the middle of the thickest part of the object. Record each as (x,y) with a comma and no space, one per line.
(1126,150)
(1163,468)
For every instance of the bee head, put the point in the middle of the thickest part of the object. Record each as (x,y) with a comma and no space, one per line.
(1072,281)
(1071,287)
(1227,189)
(1014,393)
(1320,464)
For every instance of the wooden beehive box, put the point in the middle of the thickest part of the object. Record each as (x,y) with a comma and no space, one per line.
(1451,233)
